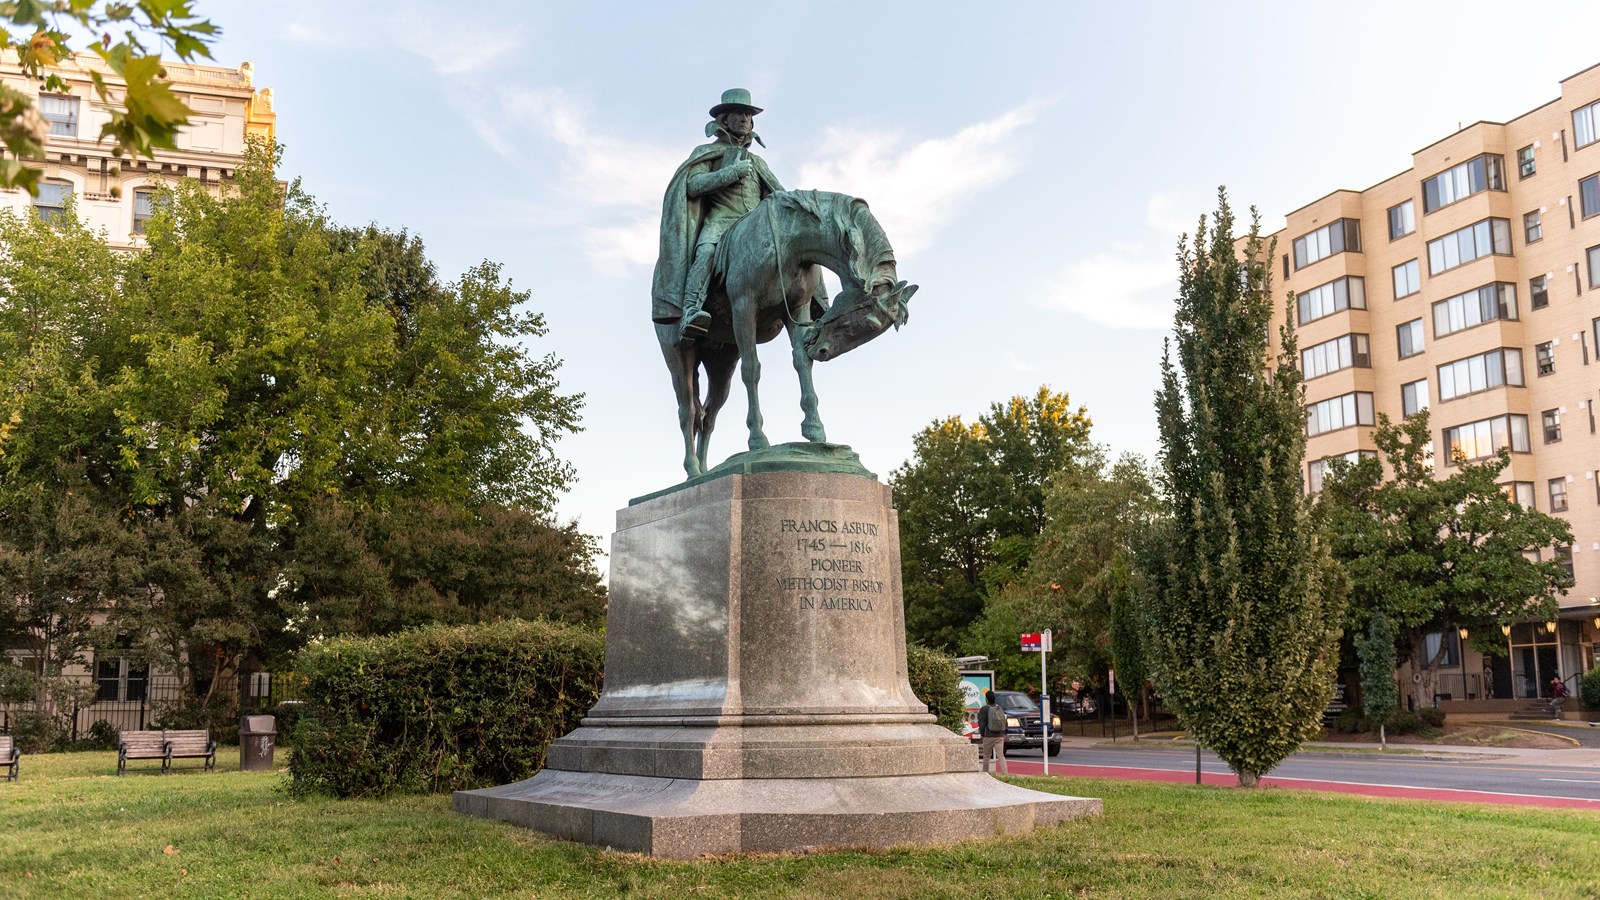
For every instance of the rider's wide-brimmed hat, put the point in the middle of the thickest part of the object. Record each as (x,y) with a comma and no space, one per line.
(734,99)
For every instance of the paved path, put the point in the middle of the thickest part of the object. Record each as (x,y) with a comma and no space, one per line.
(1560,779)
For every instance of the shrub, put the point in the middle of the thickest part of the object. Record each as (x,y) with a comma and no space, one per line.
(102,736)
(218,715)
(1351,721)
(1431,716)
(35,731)
(1589,688)
(440,709)
(1400,721)
(935,682)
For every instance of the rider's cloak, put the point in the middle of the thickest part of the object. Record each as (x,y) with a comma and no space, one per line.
(680,225)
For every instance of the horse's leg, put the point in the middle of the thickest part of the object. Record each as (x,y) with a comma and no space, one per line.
(719,378)
(744,334)
(681,364)
(811,425)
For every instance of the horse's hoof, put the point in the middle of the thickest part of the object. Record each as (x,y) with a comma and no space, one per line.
(814,435)
(759,443)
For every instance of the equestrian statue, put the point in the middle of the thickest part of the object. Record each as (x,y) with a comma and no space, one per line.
(740,262)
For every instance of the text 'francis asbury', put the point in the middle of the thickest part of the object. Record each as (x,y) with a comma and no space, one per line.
(828,526)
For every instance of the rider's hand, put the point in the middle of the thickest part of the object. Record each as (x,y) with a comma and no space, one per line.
(742,168)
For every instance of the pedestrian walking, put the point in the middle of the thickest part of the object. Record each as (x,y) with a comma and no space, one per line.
(992,734)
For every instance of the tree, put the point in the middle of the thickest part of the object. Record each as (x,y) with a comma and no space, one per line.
(972,505)
(1095,513)
(145,113)
(1433,554)
(368,571)
(1245,603)
(256,367)
(1376,652)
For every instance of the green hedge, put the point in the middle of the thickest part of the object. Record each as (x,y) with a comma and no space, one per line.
(1589,688)
(935,682)
(440,709)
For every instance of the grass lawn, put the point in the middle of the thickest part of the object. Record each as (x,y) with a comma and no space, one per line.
(72,829)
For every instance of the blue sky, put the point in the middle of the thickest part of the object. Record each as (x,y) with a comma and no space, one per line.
(1033,164)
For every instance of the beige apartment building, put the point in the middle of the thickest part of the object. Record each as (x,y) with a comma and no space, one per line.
(1469,284)
(114,196)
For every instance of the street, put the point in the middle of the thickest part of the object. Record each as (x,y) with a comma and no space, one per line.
(1559,778)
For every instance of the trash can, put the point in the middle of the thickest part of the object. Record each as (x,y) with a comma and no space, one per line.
(258,738)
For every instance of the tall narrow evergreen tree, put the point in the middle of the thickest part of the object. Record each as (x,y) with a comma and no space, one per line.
(1245,601)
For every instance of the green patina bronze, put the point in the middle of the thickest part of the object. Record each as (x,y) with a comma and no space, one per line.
(799,456)
(739,263)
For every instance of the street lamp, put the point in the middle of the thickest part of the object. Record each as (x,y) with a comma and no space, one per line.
(1462,631)
(1505,630)
(1550,626)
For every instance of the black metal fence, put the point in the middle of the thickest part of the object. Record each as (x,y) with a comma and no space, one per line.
(131,703)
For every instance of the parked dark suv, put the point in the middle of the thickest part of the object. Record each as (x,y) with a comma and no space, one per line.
(1023,731)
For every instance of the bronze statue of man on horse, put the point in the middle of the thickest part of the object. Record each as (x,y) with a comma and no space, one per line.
(739,263)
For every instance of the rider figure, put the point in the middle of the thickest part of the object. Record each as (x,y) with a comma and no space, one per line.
(719,183)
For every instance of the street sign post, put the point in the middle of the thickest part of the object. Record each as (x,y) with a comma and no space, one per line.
(1039,642)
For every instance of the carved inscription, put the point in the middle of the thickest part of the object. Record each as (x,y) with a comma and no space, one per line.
(839,565)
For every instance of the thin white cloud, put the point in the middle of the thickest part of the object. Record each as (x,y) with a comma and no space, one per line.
(916,188)
(619,247)
(312,35)
(1016,364)
(457,50)
(1173,215)
(599,167)
(1123,286)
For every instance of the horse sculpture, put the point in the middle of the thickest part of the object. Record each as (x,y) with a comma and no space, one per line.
(766,280)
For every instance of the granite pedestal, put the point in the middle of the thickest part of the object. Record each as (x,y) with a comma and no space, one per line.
(755,689)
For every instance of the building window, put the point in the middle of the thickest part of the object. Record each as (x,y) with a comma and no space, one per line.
(1409,336)
(1441,650)
(1467,244)
(1486,437)
(61,113)
(1339,412)
(1593,254)
(51,204)
(1583,121)
(1525,165)
(1320,469)
(1532,227)
(1552,425)
(1335,237)
(1539,291)
(1558,495)
(1520,493)
(1462,181)
(1483,372)
(120,678)
(1544,356)
(1414,397)
(1475,307)
(1407,279)
(144,209)
(1345,352)
(1589,195)
(1349,292)
(1402,219)
(1564,557)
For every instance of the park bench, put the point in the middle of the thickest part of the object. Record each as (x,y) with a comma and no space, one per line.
(10,757)
(166,746)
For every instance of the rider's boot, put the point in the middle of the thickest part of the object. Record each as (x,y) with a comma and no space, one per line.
(696,321)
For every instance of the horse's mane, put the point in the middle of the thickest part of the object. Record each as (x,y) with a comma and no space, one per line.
(847,215)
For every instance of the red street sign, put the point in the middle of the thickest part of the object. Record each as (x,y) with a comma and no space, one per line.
(1033,642)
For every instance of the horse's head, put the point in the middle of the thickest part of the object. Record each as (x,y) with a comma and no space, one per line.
(856,317)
